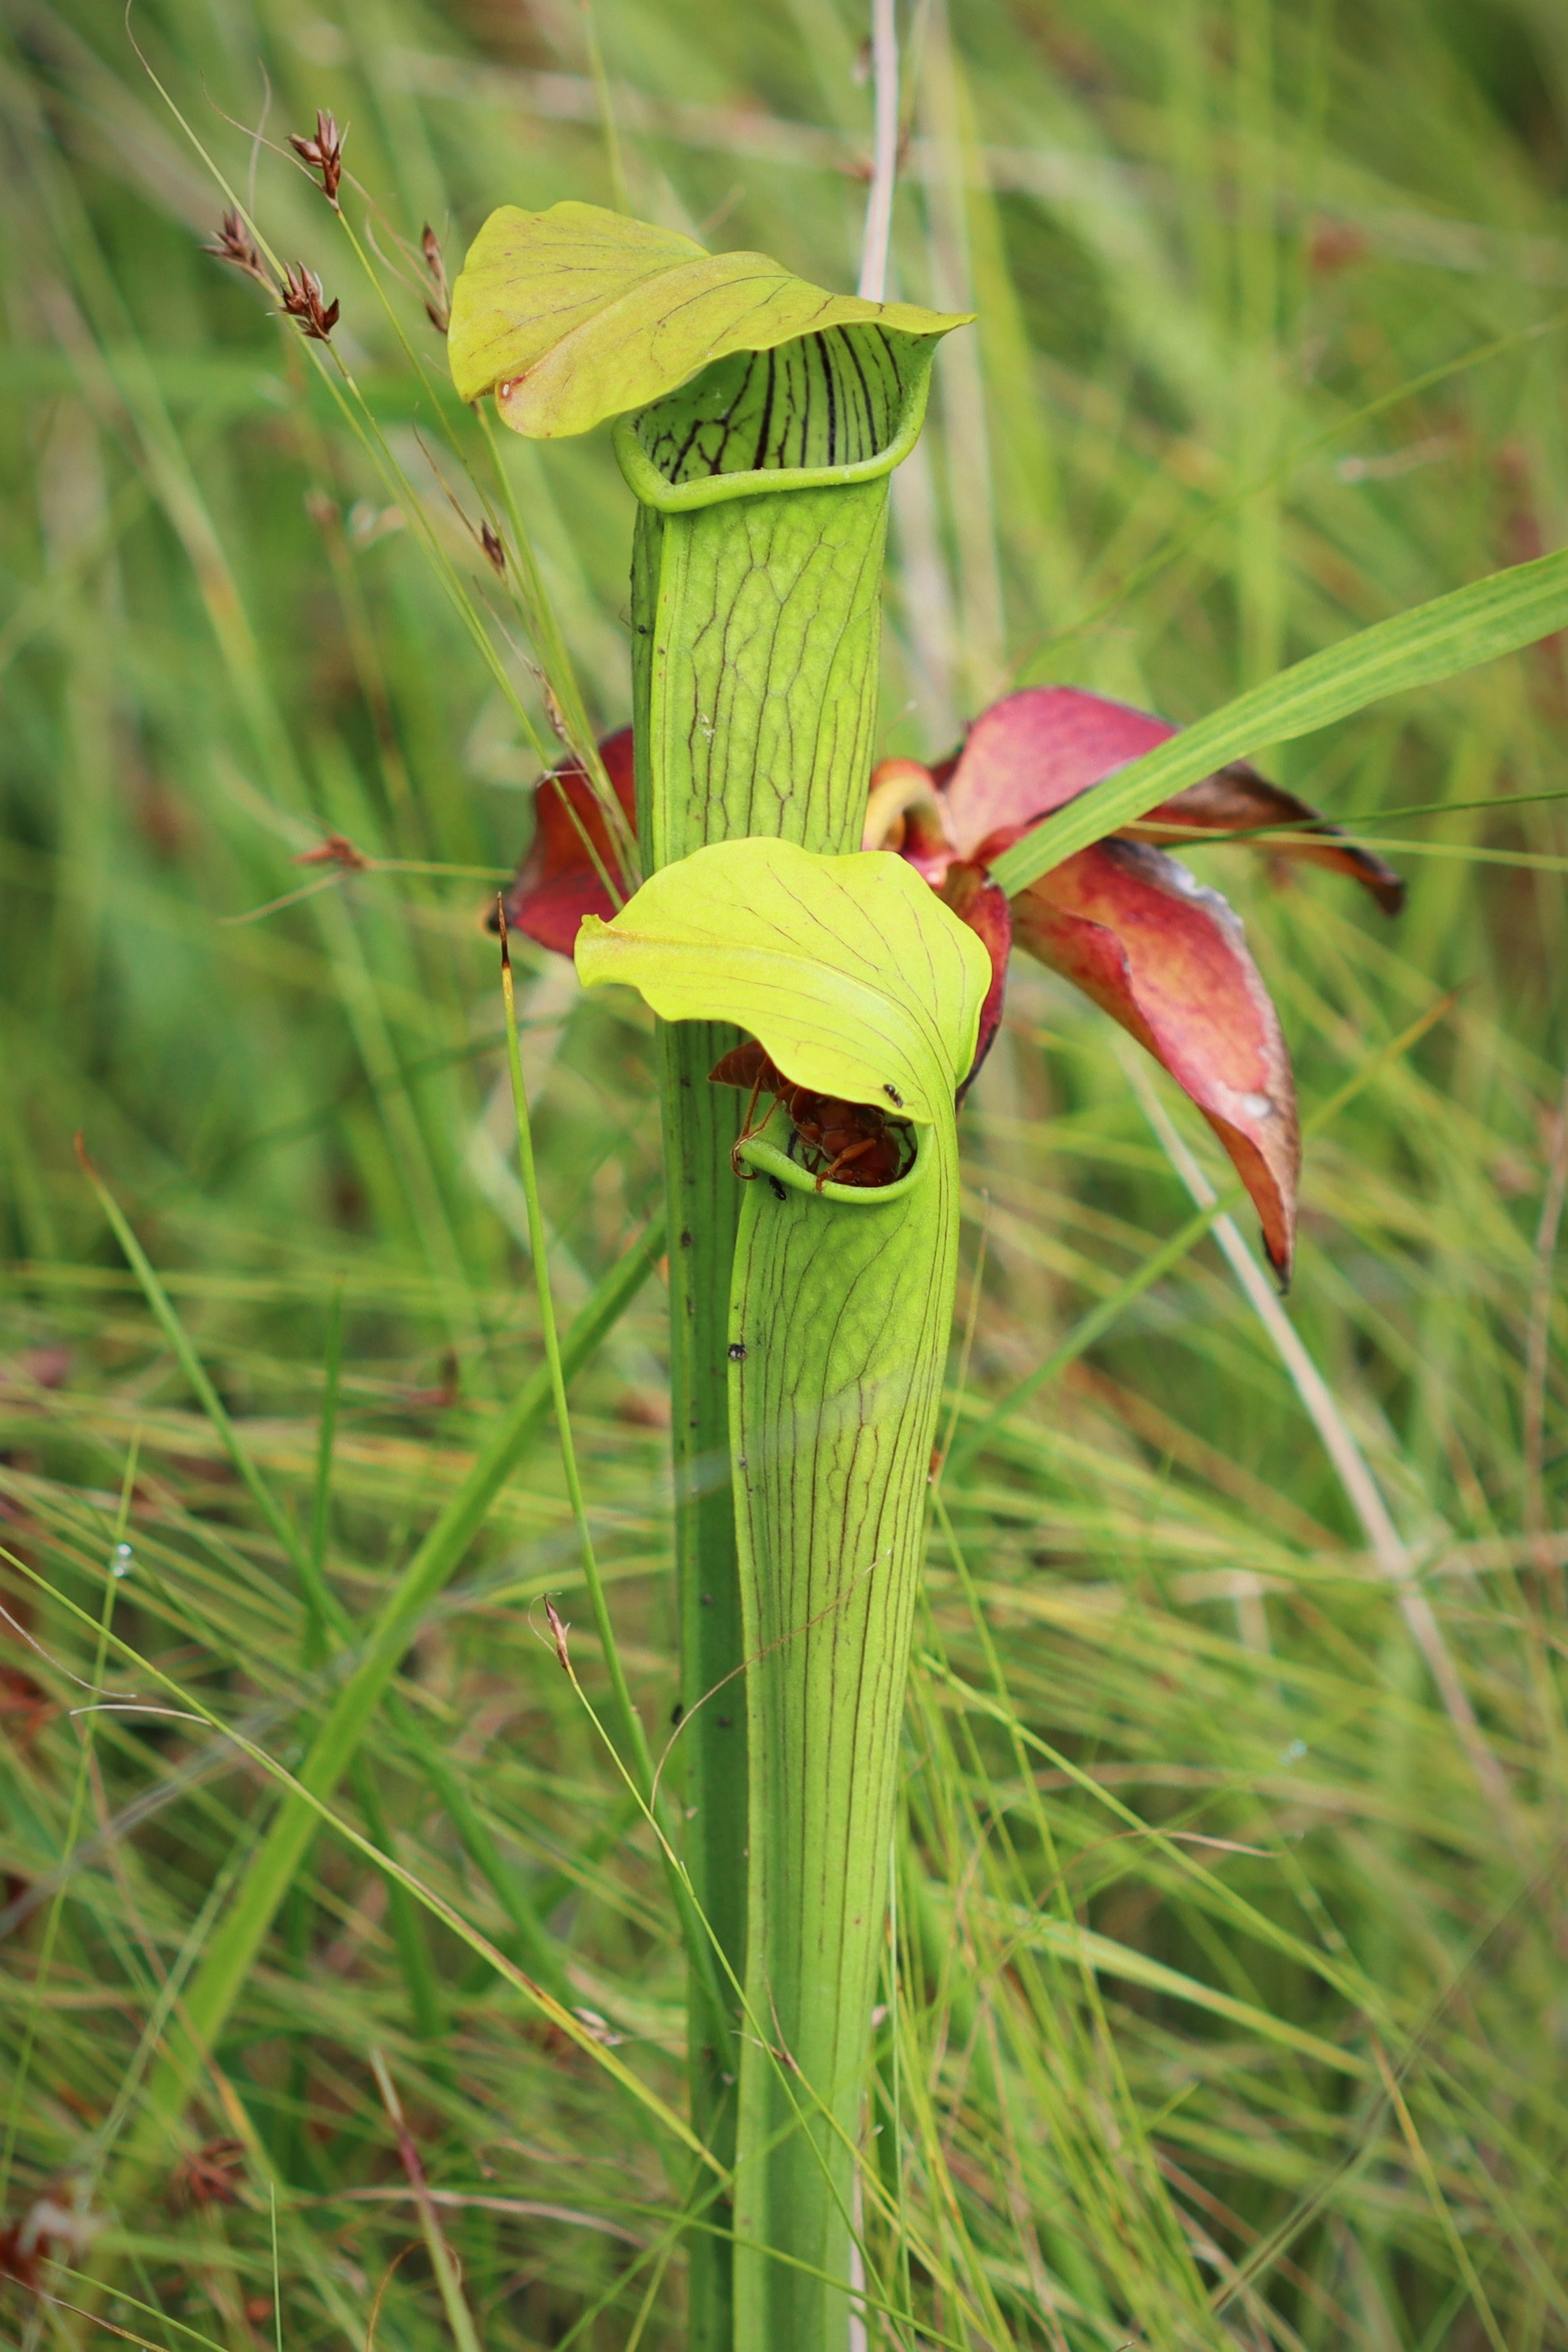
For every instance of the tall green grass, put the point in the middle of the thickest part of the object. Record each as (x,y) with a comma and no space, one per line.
(1223,1996)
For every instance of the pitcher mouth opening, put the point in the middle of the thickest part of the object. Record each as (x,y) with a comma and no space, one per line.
(841,406)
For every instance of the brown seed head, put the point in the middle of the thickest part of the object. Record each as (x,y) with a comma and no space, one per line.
(324,153)
(235,245)
(302,299)
(491,541)
(209,2177)
(438,301)
(334,851)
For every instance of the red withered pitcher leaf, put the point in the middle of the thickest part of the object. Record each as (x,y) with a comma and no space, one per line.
(558,883)
(1237,800)
(1127,923)
(1166,959)
(1036,750)
(984,907)
(905,812)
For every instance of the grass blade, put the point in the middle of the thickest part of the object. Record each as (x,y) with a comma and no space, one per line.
(1453,633)
(282,1851)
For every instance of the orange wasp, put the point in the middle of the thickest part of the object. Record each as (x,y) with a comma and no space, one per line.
(853,1143)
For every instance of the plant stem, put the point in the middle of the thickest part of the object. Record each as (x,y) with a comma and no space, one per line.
(873,283)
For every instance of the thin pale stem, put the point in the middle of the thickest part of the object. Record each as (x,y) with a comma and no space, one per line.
(628,1722)
(73,1831)
(1537,1353)
(443,2262)
(885,153)
(1354,1473)
(317,1595)
(562,682)
(614,160)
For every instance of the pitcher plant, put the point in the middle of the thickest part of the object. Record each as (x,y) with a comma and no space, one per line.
(824,941)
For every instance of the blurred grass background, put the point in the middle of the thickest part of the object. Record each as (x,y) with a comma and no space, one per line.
(1226,2003)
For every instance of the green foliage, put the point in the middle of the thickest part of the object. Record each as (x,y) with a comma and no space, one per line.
(576,314)
(854,975)
(1497,614)
(1222,1999)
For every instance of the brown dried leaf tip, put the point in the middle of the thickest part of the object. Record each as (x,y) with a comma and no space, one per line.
(302,299)
(50,2230)
(438,301)
(553,712)
(334,851)
(324,152)
(235,244)
(209,2175)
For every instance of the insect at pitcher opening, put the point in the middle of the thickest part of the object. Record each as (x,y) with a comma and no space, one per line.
(840,1142)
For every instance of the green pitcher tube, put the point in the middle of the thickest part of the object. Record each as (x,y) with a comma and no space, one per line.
(839,1315)
(862,992)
